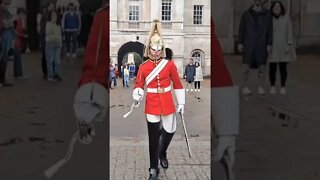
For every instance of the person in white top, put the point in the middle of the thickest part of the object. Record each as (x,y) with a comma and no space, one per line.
(53,47)
(283,51)
(198,77)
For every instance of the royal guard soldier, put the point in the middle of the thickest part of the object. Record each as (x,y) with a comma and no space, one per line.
(90,102)
(91,98)
(157,73)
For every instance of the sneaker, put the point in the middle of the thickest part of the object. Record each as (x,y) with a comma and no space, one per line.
(273,90)
(51,80)
(21,77)
(198,90)
(261,91)
(187,90)
(6,84)
(58,78)
(74,55)
(283,91)
(191,90)
(246,91)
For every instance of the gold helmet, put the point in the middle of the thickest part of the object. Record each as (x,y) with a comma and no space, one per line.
(155,40)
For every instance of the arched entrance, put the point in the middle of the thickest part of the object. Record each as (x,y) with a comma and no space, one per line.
(198,56)
(131,50)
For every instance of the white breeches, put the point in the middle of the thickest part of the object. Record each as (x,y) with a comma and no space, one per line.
(169,122)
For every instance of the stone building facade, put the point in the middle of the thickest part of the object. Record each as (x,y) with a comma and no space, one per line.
(185,29)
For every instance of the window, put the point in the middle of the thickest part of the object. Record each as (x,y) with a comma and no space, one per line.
(133,12)
(166,10)
(197,14)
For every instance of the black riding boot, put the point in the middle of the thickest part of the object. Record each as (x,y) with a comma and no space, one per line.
(154,135)
(3,69)
(165,140)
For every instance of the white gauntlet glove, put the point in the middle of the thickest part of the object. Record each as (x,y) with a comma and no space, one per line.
(180,95)
(137,95)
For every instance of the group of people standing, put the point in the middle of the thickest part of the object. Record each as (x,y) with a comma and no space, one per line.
(12,37)
(52,27)
(266,36)
(193,74)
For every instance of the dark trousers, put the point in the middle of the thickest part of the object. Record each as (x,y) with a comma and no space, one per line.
(273,73)
(71,38)
(44,60)
(3,68)
(154,136)
(17,63)
(197,84)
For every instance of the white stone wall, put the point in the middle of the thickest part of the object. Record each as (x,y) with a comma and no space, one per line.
(182,39)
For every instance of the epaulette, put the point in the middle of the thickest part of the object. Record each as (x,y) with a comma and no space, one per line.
(145,61)
(101,9)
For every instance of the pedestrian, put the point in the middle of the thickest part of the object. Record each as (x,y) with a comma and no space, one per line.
(199,77)
(42,34)
(71,26)
(111,74)
(132,69)
(115,75)
(53,47)
(7,34)
(189,74)
(20,36)
(159,101)
(255,41)
(283,51)
(126,76)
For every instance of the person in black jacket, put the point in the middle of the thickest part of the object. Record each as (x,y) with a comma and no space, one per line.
(189,74)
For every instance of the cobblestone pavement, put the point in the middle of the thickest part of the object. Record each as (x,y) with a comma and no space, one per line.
(130,160)
(279,135)
(129,154)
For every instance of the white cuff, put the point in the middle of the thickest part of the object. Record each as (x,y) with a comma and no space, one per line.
(180,95)
(137,94)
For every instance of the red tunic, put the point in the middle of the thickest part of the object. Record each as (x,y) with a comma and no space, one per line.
(89,71)
(159,104)
(219,72)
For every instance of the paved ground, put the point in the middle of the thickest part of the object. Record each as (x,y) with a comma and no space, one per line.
(37,121)
(129,156)
(279,135)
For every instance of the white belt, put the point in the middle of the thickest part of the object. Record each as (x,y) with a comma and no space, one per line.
(158,90)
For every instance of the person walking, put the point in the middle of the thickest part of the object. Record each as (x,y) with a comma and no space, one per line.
(255,42)
(283,51)
(157,73)
(189,74)
(53,47)
(199,77)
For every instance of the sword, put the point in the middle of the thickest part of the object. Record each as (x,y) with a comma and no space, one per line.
(185,133)
(135,104)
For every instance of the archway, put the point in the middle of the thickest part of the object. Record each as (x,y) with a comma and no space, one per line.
(135,48)
(198,56)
